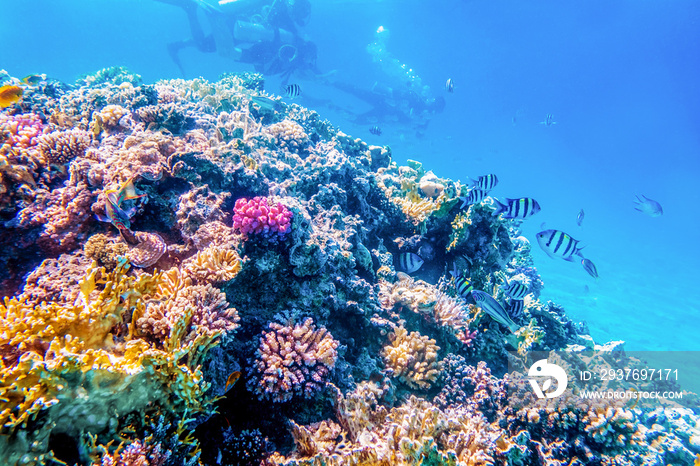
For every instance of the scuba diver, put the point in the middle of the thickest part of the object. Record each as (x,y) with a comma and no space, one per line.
(258,32)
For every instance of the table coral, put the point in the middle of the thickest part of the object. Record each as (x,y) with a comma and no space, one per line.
(292,359)
(412,358)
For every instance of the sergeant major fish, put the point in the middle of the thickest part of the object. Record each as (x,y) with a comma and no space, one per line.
(495,310)
(515,290)
(486,182)
(558,244)
(517,208)
(410,262)
(376,130)
(292,91)
(114,213)
(474,196)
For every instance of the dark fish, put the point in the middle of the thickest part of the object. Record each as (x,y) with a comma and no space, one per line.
(450,85)
(486,182)
(548,120)
(376,130)
(292,91)
(516,308)
(648,206)
(410,262)
(475,196)
(579,217)
(517,208)
(558,244)
(9,95)
(463,286)
(589,267)
(516,290)
(495,310)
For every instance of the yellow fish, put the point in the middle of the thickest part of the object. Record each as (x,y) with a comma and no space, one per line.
(697,460)
(232,379)
(9,95)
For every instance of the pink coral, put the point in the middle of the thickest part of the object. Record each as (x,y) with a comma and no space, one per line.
(21,131)
(293,360)
(256,216)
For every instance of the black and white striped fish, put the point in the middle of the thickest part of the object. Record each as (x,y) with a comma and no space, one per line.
(590,267)
(450,85)
(517,208)
(558,244)
(410,262)
(474,196)
(516,290)
(376,130)
(292,91)
(486,182)
(516,308)
(464,286)
(486,302)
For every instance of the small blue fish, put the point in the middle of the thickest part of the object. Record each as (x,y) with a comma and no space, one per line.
(486,182)
(517,208)
(114,213)
(292,91)
(474,196)
(579,217)
(589,267)
(495,310)
(376,130)
(548,120)
(450,85)
(410,262)
(648,206)
(558,244)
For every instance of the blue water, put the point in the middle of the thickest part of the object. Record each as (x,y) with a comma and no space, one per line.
(620,79)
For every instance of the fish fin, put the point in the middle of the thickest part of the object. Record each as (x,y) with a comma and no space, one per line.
(465,202)
(102,218)
(500,208)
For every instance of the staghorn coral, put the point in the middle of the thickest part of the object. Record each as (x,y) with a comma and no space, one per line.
(412,358)
(213,265)
(292,359)
(257,217)
(60,147)
(148,251)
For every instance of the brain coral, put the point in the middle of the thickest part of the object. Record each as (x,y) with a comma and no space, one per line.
(293,360)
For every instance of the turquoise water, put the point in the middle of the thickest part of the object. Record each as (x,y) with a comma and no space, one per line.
(619,78)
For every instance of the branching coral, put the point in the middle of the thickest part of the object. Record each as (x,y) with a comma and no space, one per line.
(292,359)
(60,147)
(412,358)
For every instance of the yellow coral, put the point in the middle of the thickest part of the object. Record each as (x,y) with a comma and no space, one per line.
(459,233)
(412,358)
(528,336)
(214,265)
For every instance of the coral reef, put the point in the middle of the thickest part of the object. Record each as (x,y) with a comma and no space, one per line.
(249,310)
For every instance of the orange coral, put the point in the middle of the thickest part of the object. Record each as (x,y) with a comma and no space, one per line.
(412,358)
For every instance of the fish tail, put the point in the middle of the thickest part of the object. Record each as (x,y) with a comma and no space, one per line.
(500,208)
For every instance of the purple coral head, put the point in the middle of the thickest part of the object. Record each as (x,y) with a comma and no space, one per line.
(257,217)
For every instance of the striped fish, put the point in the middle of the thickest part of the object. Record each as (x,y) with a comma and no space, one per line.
(449,85)
(463,286)
(516,308)
(292,91)
(521,208)
(589,267)
(474,196)
(516,290)
(490,306)
(410,262)
(558,244)
(486,182)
